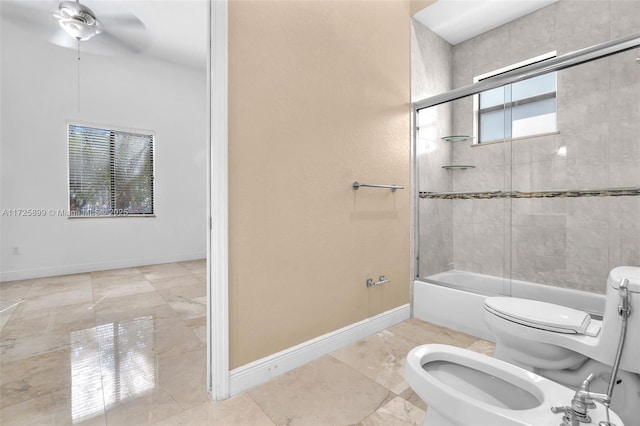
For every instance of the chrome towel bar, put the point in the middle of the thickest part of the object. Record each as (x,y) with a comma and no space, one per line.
(393,188)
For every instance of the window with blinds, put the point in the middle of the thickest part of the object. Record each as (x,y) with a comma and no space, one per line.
(110,172)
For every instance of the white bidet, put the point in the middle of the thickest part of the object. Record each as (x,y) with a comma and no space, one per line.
(465,388)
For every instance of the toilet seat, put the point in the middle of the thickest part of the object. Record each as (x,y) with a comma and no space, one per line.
(542,315)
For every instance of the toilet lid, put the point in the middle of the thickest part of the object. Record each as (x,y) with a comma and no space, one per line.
(533,313)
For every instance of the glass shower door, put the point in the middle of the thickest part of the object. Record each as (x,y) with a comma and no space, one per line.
(463,214)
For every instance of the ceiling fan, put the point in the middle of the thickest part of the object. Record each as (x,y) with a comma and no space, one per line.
(109,32)
(77,20)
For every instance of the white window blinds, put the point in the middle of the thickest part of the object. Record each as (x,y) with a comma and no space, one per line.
(110,172)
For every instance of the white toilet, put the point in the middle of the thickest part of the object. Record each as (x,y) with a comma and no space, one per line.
(466,388)
(565,345)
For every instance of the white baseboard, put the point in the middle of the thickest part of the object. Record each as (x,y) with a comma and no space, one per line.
(53,271)
(267,368)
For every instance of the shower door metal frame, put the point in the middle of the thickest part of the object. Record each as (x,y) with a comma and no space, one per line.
(565,61)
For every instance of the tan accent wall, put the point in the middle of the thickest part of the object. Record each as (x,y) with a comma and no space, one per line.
(318,98)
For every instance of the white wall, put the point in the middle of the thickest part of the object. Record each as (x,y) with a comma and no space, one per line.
(39,96)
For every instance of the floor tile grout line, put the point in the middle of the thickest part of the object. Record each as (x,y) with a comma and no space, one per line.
(248,393)
(390,395)
(359,372)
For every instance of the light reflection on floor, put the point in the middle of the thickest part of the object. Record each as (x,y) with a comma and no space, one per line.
(60,364)
(109,364)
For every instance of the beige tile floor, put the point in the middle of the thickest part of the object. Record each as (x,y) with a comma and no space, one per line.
(127,347)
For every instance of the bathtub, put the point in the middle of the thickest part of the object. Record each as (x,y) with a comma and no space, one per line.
(455,299)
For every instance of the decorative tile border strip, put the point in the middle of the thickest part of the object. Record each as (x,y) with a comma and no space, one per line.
(606,192)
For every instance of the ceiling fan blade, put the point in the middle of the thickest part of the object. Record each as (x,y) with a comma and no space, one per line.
(128,20)
(32,13)
(131,43)
(105,43)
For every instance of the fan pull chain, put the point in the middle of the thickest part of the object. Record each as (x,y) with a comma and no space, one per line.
(78,40)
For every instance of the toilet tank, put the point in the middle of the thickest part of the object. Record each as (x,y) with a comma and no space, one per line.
(612,321)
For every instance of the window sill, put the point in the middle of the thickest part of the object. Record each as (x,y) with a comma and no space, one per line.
(112,216)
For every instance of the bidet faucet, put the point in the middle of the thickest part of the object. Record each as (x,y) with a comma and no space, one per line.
(586,398)
(581,402)
(583,399)
(569,418)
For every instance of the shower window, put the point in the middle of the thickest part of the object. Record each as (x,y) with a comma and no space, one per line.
(110,172)
(522,109)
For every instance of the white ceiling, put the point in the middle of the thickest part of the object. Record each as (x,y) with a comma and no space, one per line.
(459,20)
(170,30)
(176,30)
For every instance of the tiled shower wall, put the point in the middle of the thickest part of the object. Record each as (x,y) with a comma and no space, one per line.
(569,242)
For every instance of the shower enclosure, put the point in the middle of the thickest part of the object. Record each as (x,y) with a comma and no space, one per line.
(532,174)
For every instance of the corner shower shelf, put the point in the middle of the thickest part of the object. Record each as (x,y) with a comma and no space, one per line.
(457,138)
(458,167)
